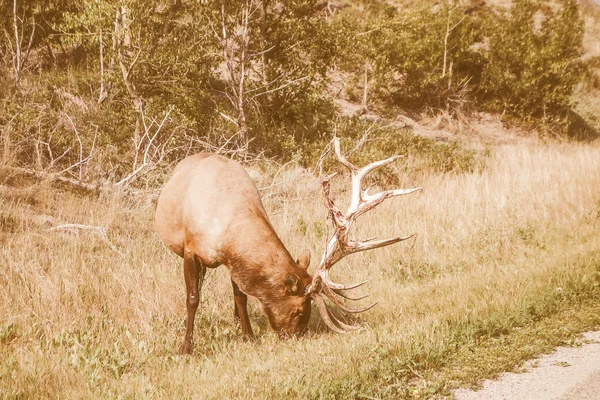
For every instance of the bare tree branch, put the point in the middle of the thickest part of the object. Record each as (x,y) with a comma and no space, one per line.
(100,230)
(20,59)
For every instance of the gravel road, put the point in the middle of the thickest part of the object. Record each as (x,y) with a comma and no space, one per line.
(570,373)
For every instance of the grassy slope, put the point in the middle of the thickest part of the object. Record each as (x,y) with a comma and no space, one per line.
(506,264)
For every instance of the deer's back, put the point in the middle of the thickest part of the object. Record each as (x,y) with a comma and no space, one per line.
(205,205)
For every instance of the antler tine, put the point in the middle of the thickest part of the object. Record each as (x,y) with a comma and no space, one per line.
(386,194)
(377,164)
(356,246)
(330,320)
(336,250)
(341,157)
(338,217)
(331,296)
(332,285)
(340,292)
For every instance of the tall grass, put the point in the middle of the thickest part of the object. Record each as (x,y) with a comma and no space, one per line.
(498,250)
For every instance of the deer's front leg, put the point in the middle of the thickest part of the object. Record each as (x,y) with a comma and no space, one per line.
(240,311)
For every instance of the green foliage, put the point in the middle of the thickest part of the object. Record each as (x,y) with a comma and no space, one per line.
(526,63)
(35,21)
(419,58)
(533,61)
(420,153)
(410,66)
(295,127)
(177,60)
(443,57)
(286,103)
(173,56)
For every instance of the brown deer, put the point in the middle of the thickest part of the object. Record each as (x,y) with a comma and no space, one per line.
(210,214)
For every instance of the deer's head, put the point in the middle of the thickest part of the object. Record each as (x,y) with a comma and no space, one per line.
(290,313)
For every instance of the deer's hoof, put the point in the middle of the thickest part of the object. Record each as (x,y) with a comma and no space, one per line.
(186,348)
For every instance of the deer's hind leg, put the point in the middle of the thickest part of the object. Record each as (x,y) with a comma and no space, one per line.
(193,272)
(240,311)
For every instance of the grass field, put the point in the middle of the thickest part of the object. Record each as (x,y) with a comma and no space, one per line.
(506,264)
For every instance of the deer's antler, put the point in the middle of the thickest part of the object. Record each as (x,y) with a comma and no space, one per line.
(341,245)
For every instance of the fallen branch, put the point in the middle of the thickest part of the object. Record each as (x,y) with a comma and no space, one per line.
(42,175)
(100,230)
(126,180)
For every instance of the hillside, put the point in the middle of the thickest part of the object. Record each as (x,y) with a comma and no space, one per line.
(106,95)
(496,113)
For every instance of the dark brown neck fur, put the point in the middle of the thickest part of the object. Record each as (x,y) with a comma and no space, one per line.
(258,261)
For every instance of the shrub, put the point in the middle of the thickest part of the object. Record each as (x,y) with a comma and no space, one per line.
(421,154)
(419,58)
(533,61)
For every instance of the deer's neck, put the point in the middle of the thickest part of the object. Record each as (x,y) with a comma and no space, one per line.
(259,261)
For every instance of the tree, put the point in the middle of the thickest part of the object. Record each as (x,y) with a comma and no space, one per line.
(532,67)
(422,57)
(274,59)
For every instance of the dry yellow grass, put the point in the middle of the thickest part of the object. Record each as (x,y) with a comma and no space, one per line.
(504,247)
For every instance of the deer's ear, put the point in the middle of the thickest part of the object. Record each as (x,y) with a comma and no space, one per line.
(291,283)
(304,259)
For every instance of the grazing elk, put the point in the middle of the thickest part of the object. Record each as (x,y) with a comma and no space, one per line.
(210,213)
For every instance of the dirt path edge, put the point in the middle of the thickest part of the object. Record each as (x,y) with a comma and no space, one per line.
(567,373)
